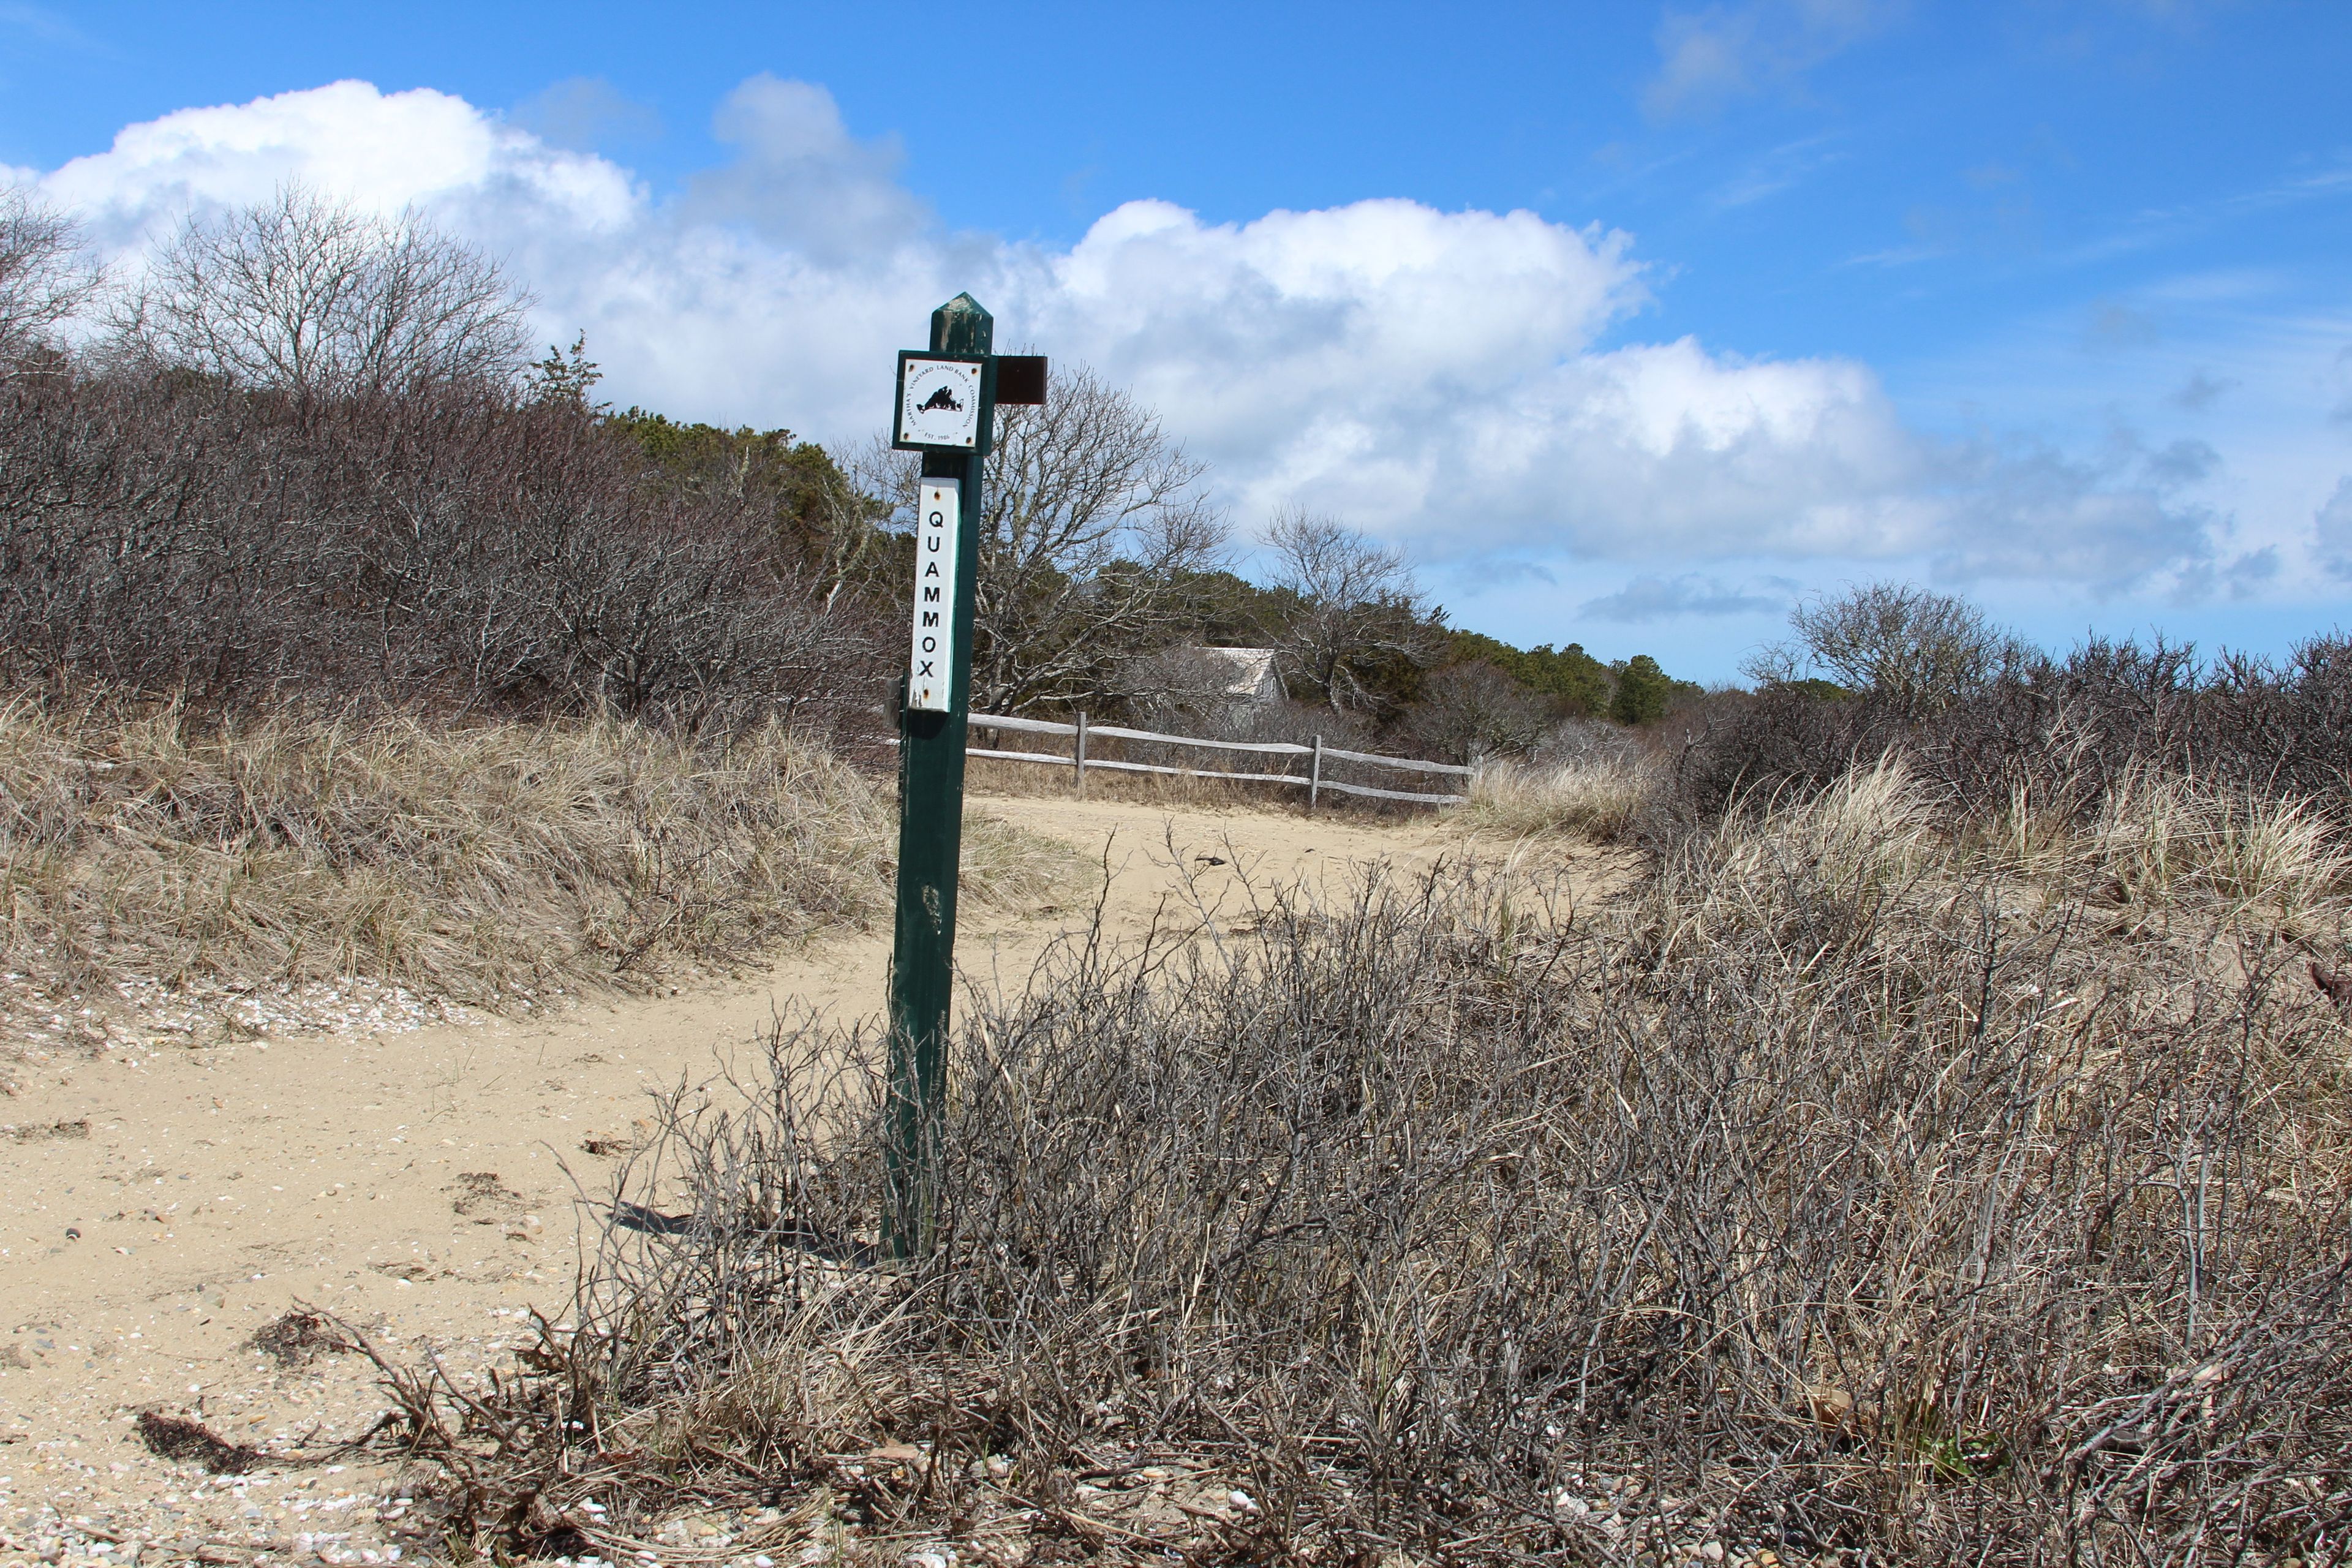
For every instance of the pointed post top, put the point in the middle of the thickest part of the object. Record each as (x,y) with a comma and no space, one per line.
(961,327)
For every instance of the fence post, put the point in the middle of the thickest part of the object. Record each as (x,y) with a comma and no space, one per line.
(1314,777)
(1082,754)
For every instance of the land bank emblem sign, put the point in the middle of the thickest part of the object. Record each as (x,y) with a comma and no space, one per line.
(939,402)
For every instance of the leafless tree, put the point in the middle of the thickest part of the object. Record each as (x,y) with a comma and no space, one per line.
(1468,712)
(1921,650)
(1092,534)
(1361,619)
(43,277)
(306,295)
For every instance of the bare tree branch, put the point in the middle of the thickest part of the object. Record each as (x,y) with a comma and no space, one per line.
(1923,650)
(43,277)
(1361,615)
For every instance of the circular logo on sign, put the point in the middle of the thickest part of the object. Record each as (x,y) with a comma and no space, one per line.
(940,403)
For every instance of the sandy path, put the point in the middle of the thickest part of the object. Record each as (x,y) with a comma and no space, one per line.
(165,1204)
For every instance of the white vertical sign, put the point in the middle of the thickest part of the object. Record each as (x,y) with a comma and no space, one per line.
(936,535)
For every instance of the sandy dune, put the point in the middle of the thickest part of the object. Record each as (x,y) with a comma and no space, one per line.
(166,1202)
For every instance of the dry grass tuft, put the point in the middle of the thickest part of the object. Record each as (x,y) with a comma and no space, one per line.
(476,863)
(1008,868)
(2164,840)
(1598,798)
(1862,839)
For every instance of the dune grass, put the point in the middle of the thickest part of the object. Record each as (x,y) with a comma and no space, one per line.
(475,862)
(1598,798)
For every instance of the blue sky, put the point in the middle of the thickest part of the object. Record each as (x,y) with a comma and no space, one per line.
(1629,322)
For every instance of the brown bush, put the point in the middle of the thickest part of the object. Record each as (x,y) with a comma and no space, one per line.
(454,545)
(2062,736)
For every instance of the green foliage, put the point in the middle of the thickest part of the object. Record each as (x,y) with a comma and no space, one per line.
(795,478)
(1237,612)
(568,376)
(1635,693)
(1643,691)
(822,521)
(1580,681)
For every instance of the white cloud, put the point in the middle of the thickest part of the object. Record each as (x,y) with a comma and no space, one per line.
(582,112)
(2333,524)
(1711,56)
(384,151)
(2037,513)
(800,180)
(1440,378)
(1650,598)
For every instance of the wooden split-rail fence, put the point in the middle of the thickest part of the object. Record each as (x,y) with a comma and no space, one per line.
(1078,761)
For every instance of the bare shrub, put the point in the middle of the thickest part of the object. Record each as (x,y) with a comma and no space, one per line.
(2062,734)
(1360,626)
(1578,740)
(306,296)
(1918,650)
(1468,712)
(525,557)
(311,460)
(1188,690)
(1845,1189)
(456,546)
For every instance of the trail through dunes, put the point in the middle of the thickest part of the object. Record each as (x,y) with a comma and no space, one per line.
(168,1208)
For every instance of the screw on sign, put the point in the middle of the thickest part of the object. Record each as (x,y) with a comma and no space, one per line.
(945,409)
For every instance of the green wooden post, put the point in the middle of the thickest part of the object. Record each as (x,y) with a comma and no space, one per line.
(930,845)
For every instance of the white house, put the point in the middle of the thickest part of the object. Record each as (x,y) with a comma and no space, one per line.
(1254,677)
